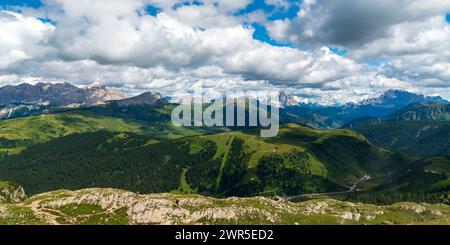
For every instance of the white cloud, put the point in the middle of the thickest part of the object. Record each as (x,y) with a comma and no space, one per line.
(22,38)
(147,41)
(114,42)
(351,23)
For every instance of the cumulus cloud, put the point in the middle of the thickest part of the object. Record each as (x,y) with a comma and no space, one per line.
(123,37)
(22,38)
(350,23)
(187,42)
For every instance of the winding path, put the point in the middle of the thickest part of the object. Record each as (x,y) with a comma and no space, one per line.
(351,189)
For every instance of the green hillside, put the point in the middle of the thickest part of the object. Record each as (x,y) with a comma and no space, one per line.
(20,133)
(137,148)
(299,160)
(439,165)
(421,130)
(426,180)
(416,138)
(436,111)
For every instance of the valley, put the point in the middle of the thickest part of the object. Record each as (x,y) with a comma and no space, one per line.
(300,160)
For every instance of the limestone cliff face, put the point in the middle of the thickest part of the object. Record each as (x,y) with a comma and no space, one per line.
(11,193)
(98,93)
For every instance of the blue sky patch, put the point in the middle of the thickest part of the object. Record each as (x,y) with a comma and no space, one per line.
(256,5)
(47,20)
(186,3)
(289,13)
(262,35)
(28,3)
(447,18)
(338,51)
(152,10)
(273,12)
(375,63)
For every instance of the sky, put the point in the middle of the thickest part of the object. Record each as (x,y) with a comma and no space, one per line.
(322,51)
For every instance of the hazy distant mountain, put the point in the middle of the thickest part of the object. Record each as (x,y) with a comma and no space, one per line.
(147,98)
(399,98)
(24,99)
(57,94)
(337,116)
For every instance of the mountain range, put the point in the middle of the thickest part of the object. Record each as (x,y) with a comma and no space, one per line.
(57,94)
(26,99)
(328,117)
(396,120)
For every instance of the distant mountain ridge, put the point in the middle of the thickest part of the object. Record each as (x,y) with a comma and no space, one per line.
(24,99)
(57,94)
(399,98)
(147,98)
(338,116)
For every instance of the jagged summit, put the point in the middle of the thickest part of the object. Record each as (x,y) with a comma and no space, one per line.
(26,98)
(399,98)
(287,99)
(147,98)
(96,85)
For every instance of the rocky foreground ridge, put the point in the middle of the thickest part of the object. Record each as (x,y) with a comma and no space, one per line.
(111,206)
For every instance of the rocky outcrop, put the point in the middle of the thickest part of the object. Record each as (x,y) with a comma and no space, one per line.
(11,193)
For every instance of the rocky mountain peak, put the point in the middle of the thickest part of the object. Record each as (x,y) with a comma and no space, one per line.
(394,98)
(147,98)
(287,99)
(99,93)
(96,85)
